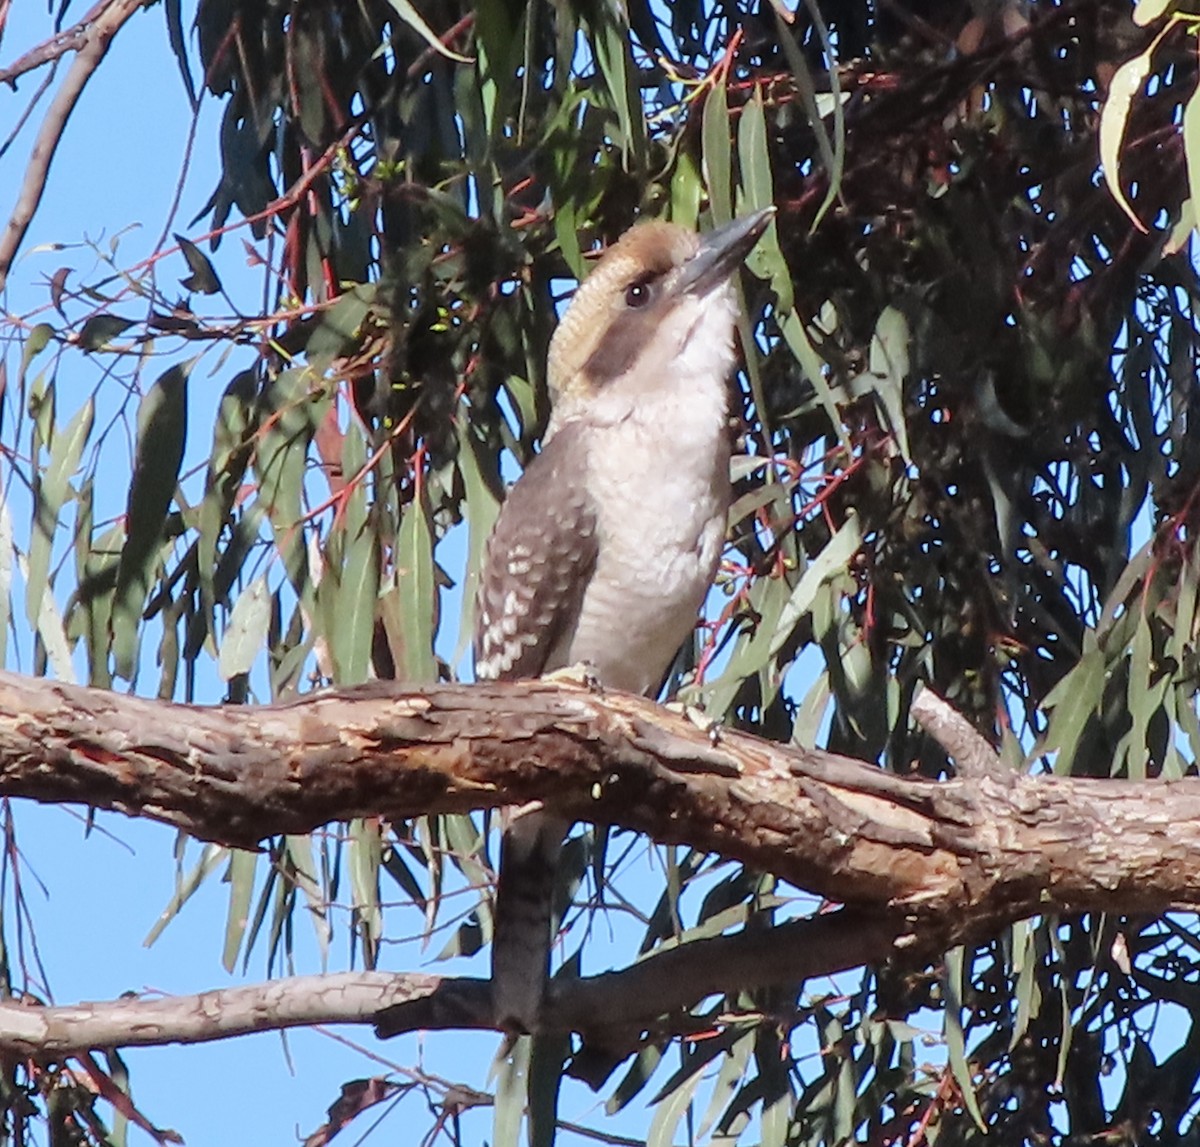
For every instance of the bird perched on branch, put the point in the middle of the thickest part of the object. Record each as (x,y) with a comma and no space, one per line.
(605,548)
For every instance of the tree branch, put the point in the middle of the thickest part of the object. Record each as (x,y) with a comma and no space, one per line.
(972,754)
(57,46)
(612,1009)
(961,857)
(616,1007)
(93,45)
(132,1021)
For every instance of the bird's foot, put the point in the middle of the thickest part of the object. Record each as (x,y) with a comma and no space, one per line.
(710,727)
(581,673)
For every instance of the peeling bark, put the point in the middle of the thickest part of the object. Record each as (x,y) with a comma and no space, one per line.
(935,862)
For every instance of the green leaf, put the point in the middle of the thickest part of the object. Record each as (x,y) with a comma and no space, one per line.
(158,455)
(413,19)
(245,636)
(830,562)
(51,632)
(729,1078)
(640,1072)
(414,618)
(101,329)
(669,1110)
(97,589)
(832,157)
(566,229)
(1191,144)
(512,1075)
(365,860)
(497,48)
(687,186)
(888,364)
(49,494)
(42,402)
(302,871)
(1073,702)
(482,508)
(955,1039)
(758,191)
(186,887)
(6,572)
(289,416)
(796,337)
(1145,12)
(810,713)
(715,161)
(752,651)
(280,934)
(1127,82)
(240,878)
(230,455)
(203,279)
(353,610)
(35,342)
(1028,991)
(615,63)
(338,327)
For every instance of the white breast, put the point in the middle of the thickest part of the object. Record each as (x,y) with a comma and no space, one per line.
(659,472)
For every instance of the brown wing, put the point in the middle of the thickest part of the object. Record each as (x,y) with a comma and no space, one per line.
(537,564)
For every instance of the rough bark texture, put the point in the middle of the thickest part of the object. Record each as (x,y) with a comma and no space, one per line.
(134,1021)
(928,864)
(613,1009)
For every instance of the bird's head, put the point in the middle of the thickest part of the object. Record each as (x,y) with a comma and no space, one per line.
(658,305)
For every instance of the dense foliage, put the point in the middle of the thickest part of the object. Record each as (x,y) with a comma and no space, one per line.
(966,460)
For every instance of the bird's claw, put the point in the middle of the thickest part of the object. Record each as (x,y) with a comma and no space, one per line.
(710,727)
(581,673)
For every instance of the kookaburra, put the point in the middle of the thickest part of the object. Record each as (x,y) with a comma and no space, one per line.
(605,548)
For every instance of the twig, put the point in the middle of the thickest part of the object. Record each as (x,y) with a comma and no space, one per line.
(23,118)
(54,48)
(94,47)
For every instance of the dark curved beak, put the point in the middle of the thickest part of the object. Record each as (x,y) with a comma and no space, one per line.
(720,252)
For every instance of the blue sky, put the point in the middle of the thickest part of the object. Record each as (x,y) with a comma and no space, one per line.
(103,894)
(94,898)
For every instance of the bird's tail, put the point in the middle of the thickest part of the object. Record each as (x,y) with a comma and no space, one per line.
(529,855)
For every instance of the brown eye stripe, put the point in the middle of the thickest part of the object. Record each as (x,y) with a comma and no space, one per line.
(619,347)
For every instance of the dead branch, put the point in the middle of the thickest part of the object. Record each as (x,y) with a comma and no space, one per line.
(613,1009)
(133,1021)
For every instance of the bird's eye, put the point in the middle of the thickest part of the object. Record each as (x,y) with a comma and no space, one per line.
(637,294)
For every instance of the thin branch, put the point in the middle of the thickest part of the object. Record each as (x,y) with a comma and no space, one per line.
(613,1009)
(27,111)
(132,1021)
(53,48)
(93,46)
